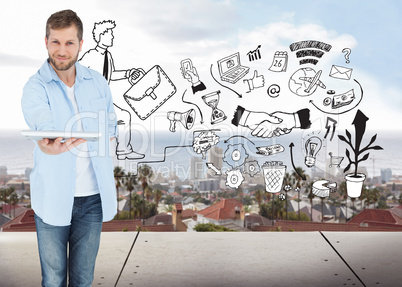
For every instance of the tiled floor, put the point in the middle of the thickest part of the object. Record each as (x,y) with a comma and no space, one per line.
(225,259)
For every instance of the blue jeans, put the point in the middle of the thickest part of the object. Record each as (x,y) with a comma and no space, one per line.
(81,238)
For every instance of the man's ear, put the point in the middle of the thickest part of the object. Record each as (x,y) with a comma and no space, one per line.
(81,42)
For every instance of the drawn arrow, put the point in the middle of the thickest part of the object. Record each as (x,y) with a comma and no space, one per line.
(330,122)
(227,140)
(182,98)
(239,95)
(217,171)
(293,164)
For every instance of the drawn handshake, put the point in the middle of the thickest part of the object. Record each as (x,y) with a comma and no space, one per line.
(267,125)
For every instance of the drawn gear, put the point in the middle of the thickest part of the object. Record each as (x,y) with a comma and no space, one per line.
(234,178)
(251,167)
(235,155)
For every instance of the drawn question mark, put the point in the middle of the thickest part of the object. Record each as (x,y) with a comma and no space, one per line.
(347,51)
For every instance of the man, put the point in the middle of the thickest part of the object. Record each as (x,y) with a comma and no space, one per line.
(72,183)
(100,59)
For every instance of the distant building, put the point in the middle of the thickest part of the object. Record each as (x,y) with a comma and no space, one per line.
(386,174)
(196,168)
(3,170)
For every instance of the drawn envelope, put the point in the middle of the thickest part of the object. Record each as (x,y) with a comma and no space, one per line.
(339,72)
(152,90)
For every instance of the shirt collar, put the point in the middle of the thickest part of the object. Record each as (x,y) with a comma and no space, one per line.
(48,73)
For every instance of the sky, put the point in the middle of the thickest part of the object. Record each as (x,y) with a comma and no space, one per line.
(158,32)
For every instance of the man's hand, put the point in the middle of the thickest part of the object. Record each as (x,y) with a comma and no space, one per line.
(55,146)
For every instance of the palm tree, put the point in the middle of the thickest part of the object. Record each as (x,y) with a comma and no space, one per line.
(157,196)
(344,193)
(376,195)
(287,182)
(13,201)
(297,178)
(136,202)
(144,174)
(129,182)
(119,173)
(311,197)
(259,195)
(148,193)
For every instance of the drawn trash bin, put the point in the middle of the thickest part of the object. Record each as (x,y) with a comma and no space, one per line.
(274,172)
(149,92)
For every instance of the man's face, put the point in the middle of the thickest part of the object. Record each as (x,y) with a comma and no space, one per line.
(63,47)
(106,39)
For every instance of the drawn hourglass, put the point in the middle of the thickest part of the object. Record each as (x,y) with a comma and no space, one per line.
(212,100)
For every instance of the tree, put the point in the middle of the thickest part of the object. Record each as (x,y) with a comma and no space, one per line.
(136,202)
(169,208)
(210,227)
(376,195)
(130,181)
(344,193)
(259,195)
(287,183)
(297,179)
(148,193)
(311,197)
(144,174)
(119,173)
(157,196)
(13,201)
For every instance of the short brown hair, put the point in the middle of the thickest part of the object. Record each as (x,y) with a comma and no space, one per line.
(64,19)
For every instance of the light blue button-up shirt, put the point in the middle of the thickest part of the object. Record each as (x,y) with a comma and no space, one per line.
(46,106)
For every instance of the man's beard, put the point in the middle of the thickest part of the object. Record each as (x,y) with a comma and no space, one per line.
(65,66)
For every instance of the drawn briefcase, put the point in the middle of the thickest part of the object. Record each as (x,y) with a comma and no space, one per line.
(150,92)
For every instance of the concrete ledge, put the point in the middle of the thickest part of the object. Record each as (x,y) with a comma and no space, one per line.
(224,259)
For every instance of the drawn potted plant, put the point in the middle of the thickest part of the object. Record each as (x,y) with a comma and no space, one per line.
(355,180)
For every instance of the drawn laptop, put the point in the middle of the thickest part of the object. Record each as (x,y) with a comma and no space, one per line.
(230,68)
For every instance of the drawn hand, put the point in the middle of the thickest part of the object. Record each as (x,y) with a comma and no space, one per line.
(256,81)
(134,75)
(55,146)
(267,130)
(191,76)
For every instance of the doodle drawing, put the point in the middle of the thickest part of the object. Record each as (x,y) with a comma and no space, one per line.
(187,119)
(255,82)
(312,147)
(305,81)
(322,188)
(101,60)
(308,49)
(212,101)
(339,72)
(150,92)
(279,62)
(267,125)
(255,54)
(274,173)
(204,141)
(190,73)
(230,68)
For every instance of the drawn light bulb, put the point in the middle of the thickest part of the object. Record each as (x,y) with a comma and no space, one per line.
(313,146)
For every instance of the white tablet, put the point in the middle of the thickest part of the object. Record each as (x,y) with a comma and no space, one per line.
(38,135)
